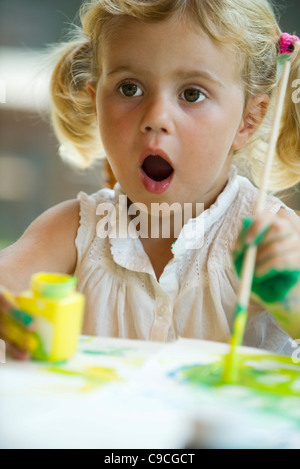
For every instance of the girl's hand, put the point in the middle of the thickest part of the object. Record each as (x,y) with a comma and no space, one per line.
(276,283)
(279,247)
(12,319)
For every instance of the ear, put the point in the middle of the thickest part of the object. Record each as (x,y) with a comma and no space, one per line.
(91,88)
(254,114)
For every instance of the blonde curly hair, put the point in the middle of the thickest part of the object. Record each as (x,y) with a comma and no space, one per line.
(249,26)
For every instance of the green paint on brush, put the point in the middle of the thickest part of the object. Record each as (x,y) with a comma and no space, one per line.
(282,59)
(274,286)
(239,322)
(231,360)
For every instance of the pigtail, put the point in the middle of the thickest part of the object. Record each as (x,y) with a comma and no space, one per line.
(73,114)
(287,163)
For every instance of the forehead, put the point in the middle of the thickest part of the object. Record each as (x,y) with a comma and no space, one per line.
(172,42)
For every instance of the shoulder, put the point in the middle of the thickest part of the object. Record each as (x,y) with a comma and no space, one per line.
(47,244)
(56,226)
(64,215)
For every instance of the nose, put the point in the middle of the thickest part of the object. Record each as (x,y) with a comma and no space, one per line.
(157,116)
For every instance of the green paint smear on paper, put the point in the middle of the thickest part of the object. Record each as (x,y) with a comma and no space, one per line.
(266,374)
(273,286)
(88,346)
(115,352)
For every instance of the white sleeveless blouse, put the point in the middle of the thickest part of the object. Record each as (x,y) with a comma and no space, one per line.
(196,294)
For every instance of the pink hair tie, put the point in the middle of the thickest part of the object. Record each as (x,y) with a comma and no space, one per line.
(286,43)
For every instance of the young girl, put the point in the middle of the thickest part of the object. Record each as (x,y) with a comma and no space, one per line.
(178,91)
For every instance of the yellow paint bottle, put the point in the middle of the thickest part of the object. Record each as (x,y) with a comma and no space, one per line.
(57,310)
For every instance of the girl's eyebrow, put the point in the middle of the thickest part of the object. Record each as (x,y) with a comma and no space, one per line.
(198,73)
(182,74)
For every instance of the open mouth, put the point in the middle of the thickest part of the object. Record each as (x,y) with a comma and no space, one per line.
(157,168)
(156,172)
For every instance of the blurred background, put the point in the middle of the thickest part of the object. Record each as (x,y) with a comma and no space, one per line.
(32,175)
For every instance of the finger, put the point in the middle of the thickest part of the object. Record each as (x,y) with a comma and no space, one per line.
(16,353)
(292,218)
(22,318)
(280,230)
(274,246)
(283,261)
(282,220)
(17,336)
(8,306)
(273,239)
(240,243)
(259,228)
(279,227)
(279,243)
(13,350)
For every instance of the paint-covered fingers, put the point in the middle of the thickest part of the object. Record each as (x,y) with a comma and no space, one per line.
(283,224)
(252,233)
(255,230)
(15,327)
(276,281)
(15,338)
(277,268)
(15,352)
(280,254)
(277,238)
(279,248)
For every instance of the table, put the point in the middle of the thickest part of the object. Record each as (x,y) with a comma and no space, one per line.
(125,394)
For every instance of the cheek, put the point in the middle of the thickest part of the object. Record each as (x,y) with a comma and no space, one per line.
(215,136)
(202,137)
(113,121)
(114,136)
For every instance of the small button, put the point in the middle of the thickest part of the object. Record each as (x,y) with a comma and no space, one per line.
(163,311)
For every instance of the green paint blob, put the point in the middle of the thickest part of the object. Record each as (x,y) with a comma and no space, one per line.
(21,317)
(273,286)
(263,373)
(240,310)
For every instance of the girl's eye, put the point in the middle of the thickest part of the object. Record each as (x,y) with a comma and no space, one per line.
(192,95)
(130,90)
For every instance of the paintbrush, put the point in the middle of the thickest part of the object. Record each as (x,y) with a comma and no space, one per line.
(230,372)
